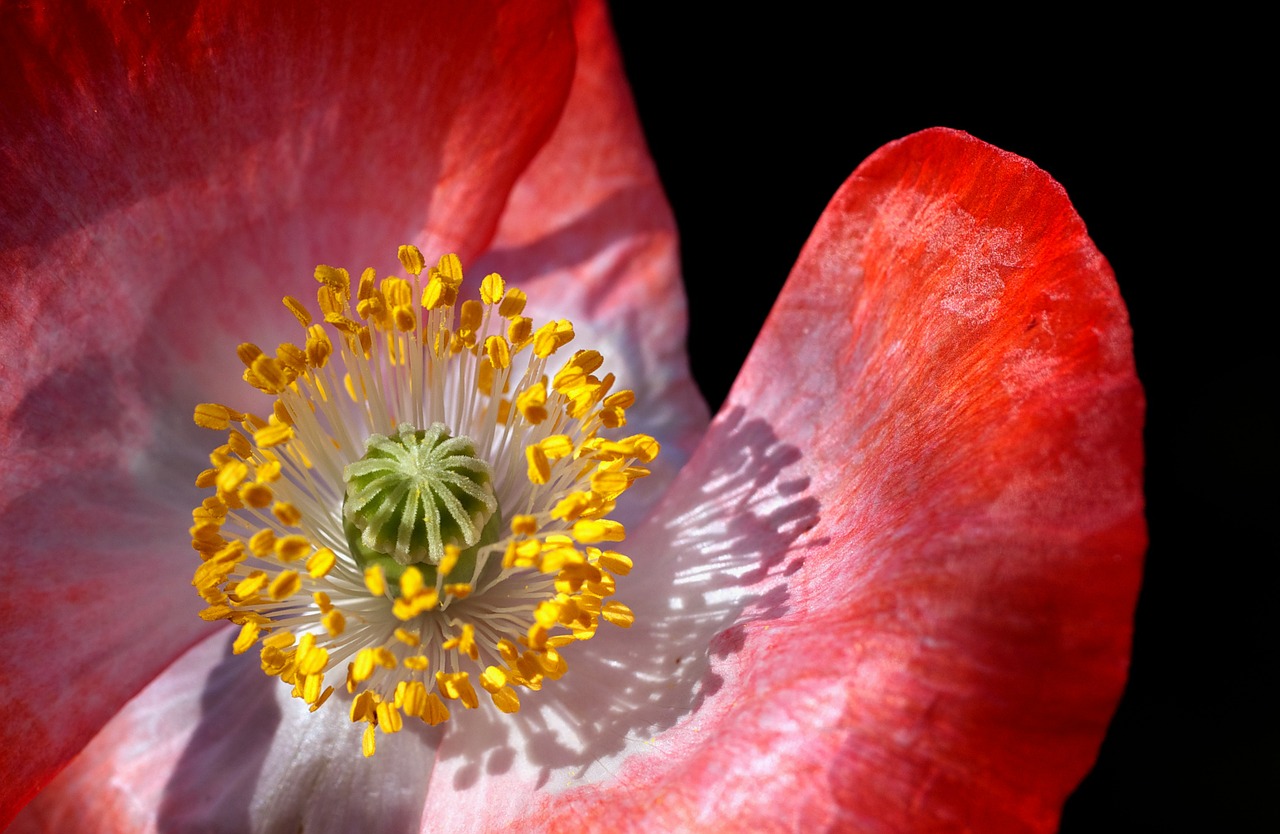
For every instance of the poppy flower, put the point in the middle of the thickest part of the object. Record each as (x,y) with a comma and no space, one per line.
(888,588)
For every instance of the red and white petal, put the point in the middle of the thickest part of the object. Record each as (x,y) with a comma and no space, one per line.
(588,233)
(214,745)
(169,174)
(933,460)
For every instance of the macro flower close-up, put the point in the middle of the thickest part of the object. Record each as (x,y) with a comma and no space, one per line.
(468,551)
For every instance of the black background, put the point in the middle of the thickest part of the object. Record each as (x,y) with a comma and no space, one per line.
(1135,126)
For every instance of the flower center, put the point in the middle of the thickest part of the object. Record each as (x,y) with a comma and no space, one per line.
(413,494)
(424,510)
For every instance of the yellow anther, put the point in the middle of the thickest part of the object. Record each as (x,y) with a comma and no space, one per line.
(492,288)
(408,638)
(618,614)
(411,259)
(292,357)
(613,418)
(547,613)
(373,308)
(299,310)
(335,278)
(465,642)
(615,562)
(214,416)
(406,608)
(207,478)
(601,530)
(311,689)
(311,659)
(610,482)
(319,702)
(557,446)
(207,531)
(280,413)
(334,622)
(493,679)
(470,316)
(411,696)
(508,651)
(436,295)
(457,686)
(435,712)
(321,562)
(551,337)
(539,466)
(319,348)
(363,706)
(461,590)
(524,525)
(499,351)
(520,331)
(395,292)
(368,741)
(513,302)
(247,637)
(505,698)
(485,377)
(268,471)
(248,353)
(532,403)
(411,582)
(286,584)
(645,447)
(332,305)
(449,270)
(571,506)
(230,475)
(361,669)
(375,581)
(256,495)
(346,326)
(288,515)
(278,640)
(270,373)
(576,370)
(251,584)
(405,320)
(292,548)
(447,562)
(215,612)
(621,399)
(365,287)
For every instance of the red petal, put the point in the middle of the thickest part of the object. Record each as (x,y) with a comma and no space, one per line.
(589,233)
(933,457)
(169,173)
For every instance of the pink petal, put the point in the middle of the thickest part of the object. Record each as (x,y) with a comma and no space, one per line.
(169,173)
(922,512)
(214,745)
(589,234)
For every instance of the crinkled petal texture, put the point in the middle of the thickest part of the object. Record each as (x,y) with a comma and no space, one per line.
(934,454)
(168,175)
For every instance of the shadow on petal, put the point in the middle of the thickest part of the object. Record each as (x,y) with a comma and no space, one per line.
(215,778)
(260,761)
(713,556)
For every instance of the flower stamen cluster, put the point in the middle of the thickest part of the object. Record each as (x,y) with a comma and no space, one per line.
(487,580)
